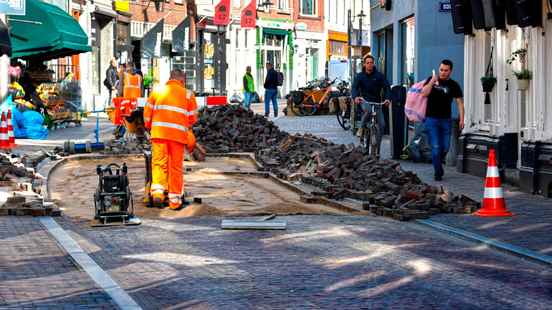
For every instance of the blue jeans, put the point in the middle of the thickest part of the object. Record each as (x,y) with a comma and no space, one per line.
(439,137)
(247,97)
(271,95)
(366,110)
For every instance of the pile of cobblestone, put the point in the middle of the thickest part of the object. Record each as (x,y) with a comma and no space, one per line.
(344,171)
(20,186)
(226,129)
(340,171)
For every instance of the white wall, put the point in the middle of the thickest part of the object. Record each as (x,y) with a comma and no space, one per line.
(240,54)
(511,111)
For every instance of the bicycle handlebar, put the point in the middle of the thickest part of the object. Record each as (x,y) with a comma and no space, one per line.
(371,103)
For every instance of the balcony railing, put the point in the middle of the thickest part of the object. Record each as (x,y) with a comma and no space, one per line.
(139,29)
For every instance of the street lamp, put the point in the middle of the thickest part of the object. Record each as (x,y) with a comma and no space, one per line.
(360,17)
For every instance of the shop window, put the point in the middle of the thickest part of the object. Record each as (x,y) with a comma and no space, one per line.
(274,40)
(308,7)
(338,48)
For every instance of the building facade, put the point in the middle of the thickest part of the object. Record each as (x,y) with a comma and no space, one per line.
(339,25)
(517,121)
(404,43)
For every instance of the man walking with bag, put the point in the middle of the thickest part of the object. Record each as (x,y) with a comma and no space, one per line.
(440,91)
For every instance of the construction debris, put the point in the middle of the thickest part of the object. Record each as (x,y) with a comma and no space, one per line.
(339,171)
(226,129)
(20,186)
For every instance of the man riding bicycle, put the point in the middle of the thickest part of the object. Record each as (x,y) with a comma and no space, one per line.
(371,86)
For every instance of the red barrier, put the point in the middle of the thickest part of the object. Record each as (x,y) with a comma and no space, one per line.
(123,107)
(217,100)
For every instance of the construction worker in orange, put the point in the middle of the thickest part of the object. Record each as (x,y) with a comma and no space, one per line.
(132,83)
(170,113)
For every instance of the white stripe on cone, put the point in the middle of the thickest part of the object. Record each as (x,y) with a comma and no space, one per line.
(494,192)
(492,172)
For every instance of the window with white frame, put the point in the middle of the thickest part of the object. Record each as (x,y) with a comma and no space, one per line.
(283,5)
(308,7)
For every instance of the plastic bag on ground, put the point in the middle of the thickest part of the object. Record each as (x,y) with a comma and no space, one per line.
(33,124)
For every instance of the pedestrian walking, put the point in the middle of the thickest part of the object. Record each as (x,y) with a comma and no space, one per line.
(271,90)
(248,88)
(170,113)
(371,86)
(440,90)
(111,78)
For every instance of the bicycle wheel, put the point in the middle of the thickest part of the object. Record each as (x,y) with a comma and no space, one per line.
(295,101)
(343,116)
(308,107)
(371,143)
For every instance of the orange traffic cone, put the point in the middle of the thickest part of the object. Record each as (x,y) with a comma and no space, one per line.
(11,136)
(493,200)
(4,139)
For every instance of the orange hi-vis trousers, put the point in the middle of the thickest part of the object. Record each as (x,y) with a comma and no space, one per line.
(167,159)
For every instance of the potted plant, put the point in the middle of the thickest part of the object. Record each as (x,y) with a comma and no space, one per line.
(524,75)
(523,78)
(488,82)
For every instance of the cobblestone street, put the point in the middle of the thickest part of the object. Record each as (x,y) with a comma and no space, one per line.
(319,262)
(36,274)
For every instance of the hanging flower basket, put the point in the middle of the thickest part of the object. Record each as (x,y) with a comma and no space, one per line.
(488,83)
(523,78)
(522,84)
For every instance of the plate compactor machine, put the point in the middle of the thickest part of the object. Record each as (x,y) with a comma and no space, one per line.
(113,199)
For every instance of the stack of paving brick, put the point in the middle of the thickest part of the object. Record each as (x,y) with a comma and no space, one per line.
(224,129)
(27,203)
(20,187)
(340,171)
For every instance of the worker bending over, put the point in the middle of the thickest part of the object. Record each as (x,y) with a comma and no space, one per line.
(170,113)
(132,83)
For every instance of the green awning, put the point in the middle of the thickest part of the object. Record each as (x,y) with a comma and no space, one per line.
(46,32)
(275,31)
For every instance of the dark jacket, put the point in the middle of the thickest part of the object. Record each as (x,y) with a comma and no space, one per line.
(372,87)
(111,77)
(271,81)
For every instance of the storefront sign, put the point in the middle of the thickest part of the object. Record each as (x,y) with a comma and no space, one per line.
(278,24)
(122,5)
(301,27)
(12,7)
(445,6)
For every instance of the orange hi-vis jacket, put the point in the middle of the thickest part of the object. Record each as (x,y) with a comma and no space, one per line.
(131,86)
(170,113)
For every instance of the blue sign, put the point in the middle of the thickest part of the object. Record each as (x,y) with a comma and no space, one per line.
(12,7)
(445,6)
